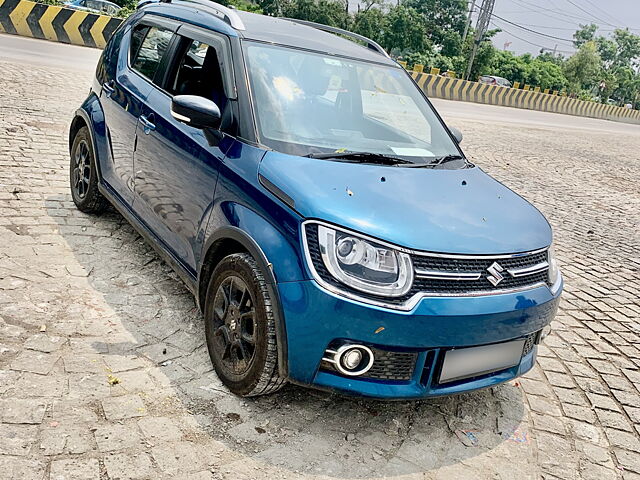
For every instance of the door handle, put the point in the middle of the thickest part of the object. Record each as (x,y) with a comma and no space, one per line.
(147,124)
(108,88)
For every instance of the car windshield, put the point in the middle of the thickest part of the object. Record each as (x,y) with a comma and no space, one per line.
(308,103)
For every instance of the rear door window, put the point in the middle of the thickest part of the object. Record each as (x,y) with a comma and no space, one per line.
(148,46)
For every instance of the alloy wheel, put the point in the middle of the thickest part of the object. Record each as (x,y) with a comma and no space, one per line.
(82,169)
(234,319)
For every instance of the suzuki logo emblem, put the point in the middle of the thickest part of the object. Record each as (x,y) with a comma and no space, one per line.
(495,276)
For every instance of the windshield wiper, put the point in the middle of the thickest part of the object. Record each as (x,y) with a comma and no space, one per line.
(362,157)
(445,159)
(437,161)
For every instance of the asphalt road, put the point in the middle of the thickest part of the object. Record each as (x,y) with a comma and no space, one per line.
(44,53)
(36,52)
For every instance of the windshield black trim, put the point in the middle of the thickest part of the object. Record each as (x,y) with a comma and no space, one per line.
(389,63)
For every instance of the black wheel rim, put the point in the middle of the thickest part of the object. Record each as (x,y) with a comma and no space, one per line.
(234,325)
(81,169)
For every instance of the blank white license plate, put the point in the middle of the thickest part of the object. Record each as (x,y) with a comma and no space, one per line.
(470,362)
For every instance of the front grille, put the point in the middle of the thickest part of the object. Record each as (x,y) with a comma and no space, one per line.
(392,365)
(425,262)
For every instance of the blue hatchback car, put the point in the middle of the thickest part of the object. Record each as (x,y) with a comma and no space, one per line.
(309,195)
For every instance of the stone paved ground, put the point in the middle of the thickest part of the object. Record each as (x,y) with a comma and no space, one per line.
(104,375)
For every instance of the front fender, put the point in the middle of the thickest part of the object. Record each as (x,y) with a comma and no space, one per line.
(276,249)
(279,243)
(90,112)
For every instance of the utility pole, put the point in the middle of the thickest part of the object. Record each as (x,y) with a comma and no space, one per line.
(486,10)
(466,27)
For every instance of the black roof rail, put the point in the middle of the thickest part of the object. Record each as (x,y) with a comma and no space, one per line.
(370,43)
(228,15)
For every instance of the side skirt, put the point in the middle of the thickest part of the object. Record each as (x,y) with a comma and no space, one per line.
(158,245)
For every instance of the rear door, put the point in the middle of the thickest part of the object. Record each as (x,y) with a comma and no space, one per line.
(123,93)
(176,166)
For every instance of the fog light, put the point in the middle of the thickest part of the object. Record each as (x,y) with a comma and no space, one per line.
(545,332)
(349,359)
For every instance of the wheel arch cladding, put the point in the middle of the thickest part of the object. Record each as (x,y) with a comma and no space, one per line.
(219,247)
(76,124)
(90,114)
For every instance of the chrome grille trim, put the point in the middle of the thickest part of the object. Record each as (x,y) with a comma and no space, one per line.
(522,272)
(442,275)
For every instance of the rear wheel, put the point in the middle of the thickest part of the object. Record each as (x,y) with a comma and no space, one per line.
(83,175)
(240,328)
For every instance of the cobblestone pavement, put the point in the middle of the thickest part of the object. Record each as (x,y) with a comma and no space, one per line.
(104,374)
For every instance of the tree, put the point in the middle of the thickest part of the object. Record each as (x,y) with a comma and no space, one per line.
(545,75)
(586,33)
(444,22)
(582,69)
(271,7)
(607,50)
(371,23)
(627,84)
(506,64)
(404,31)
(366,5)
(628,48)
(327,12)
(484,56)
(550,57)
(246,5)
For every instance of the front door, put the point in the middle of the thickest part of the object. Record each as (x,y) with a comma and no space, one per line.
(122,96)
(176,166)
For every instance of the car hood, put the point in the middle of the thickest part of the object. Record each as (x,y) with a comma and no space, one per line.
(438,210)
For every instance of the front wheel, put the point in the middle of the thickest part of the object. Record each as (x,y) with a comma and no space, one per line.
(240,328)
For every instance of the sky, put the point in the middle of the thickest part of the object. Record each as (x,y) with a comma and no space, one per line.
(557,18)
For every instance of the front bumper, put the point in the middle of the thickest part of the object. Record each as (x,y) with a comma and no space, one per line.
(315,318)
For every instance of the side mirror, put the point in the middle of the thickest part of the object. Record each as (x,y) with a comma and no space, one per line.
(195,111)
(457,134)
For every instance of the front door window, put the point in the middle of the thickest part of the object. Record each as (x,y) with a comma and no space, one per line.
(198,73)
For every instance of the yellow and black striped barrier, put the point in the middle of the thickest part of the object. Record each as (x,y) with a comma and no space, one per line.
(438,86)
(59,24)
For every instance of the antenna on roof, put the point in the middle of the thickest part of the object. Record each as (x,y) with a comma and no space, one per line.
(367,41)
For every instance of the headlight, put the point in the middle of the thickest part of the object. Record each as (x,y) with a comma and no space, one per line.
(554,271)
(365,265)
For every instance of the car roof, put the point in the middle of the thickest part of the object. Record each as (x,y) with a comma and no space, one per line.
(287,32)
(263,28)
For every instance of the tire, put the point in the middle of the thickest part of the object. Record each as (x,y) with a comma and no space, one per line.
(83,175)
(238,309)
